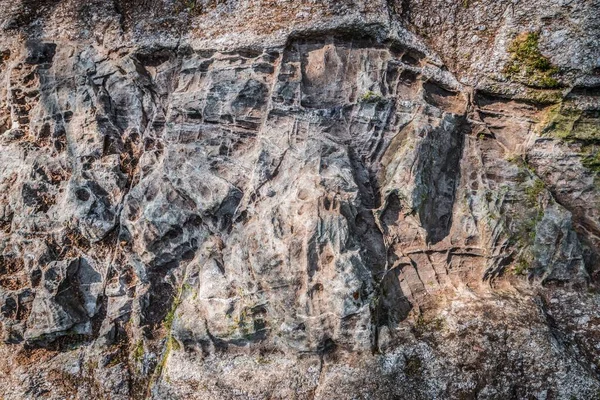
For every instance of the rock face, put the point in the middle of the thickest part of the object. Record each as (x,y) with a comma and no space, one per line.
(300,200)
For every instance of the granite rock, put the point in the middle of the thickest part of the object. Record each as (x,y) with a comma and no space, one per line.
(299,200)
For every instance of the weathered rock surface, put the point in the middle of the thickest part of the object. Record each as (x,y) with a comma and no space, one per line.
(299,200)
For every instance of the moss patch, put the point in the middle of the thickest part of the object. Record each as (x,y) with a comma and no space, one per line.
(523,236)
(565,121)
(196,7)
(168,321)
(533,192)
(522,222)
(522,265)
(424,325)
(528,65)
(591,158)
(561,121)
(543,96)
(371,97)
(138,351)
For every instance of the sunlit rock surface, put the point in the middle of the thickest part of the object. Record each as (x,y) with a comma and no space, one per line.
(299,200)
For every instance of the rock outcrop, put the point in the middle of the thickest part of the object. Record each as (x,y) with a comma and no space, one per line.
(299,200)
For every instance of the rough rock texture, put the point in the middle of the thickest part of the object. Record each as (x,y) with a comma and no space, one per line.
(300,199)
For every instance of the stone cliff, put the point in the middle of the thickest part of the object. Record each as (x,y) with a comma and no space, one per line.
(228,199)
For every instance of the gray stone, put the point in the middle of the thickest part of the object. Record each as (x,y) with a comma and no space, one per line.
(299,200)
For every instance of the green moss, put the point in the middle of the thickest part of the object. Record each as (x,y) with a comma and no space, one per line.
(240,324)
(521,267)
(523,223)
(543,96)
(170,345)
(424,325)
(138,351)
(524,234)
(170,317)
(190,4)
(587,128)
(91,365)
(528,65)
(591,159)
(196,7)
(115,360)
(566,122)
(561,122)
(533,192)
(170,342)
(173,343)
(524,237)
(263,361)
(371,97)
